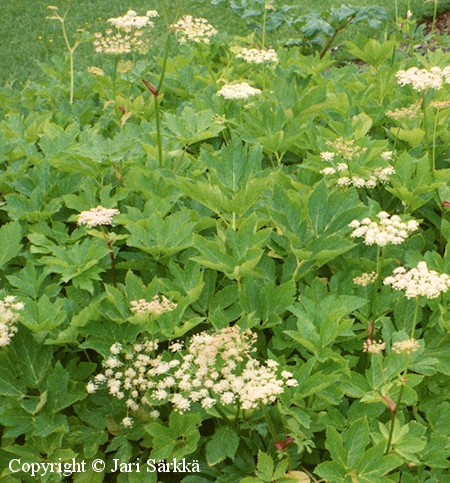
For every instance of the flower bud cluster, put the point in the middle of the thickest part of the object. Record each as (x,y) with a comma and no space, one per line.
(388,230)
(9,314)
(97,216)
(157,306)
(257,56)
(193,29)
(238,91)
(373,347)
(407,346)
(216,369)
(365,279)
(419,281)
(423,79)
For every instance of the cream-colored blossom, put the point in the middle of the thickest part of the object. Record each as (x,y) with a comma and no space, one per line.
(407,346)
(419,282)
(97,216)
(421,79)
(156,306)
(131,20)
(327,156)
(95,71)
(365,279)
(9,315)
(257,56)
(118,43)
(238,91)
(373,347)
(388,230)
(193,29)
(216,368)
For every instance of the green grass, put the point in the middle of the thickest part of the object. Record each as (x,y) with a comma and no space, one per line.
(28,36)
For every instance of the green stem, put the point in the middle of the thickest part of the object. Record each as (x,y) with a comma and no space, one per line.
(71,51)
(263,40)
(206,63)
(116,61)
(399,400)
(158,132)
(270,424)
(433,24)
(164,66)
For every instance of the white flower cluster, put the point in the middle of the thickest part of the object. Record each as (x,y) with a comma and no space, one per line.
(156,306)
(373,347)
(346,149)
(389,230)
(119,43)
(257,56)
(217,369)
(419,281)
(347,152)
(97,216)
(407,346)
(193,29)
(131,20)
(238,91)
(423,79)
(9,314)
(379,175)
(365,279)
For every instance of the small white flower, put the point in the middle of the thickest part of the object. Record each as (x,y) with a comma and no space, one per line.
(419,281)
(421,79)
(389,230)
(115,348)
(327,156)
(193,29)
(238,91)
(328,171)
(127,422)
(97,216)
(407,346)
(256,56)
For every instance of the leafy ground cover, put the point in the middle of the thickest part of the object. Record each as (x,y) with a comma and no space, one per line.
(224,261)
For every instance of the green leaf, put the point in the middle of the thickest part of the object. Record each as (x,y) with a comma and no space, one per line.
(59,396)
(222,445)
(10,241)
(265,467)
(177,440)
(31,358)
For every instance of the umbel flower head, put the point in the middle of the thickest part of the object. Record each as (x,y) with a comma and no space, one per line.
(419,282)
(97,216)
(9,314)
(388,230)
(217,368)
(423,79)
(157,306)
(131,20)
(238,91)
(365,279)
(118,43)
(257,56)
(193,29)
(407,346)
(350,168)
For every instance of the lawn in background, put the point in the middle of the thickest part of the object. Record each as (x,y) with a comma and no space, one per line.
(28,36)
